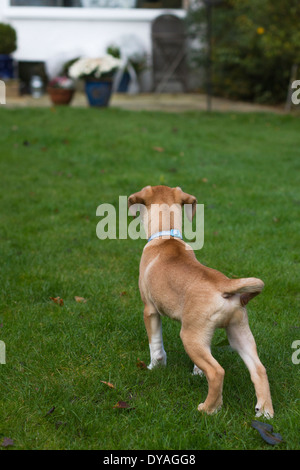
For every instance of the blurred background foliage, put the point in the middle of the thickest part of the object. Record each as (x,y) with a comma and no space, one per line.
(255,44)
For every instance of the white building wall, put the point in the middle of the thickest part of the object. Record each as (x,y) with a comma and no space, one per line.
(54,35)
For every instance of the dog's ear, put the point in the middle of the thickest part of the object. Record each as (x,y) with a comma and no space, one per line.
(138,198)
(189,200)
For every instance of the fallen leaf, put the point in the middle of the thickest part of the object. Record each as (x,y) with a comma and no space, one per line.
(80,299)
(140,364)
(108,384)
(204,180)
(50,411)
(57,300)
(123,293)
(266,432)
(123,405)
(7,442)
(159,149)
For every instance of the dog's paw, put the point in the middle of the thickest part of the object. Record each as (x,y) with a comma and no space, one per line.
(197,371)
(264,410)
(160,360)
(210,410)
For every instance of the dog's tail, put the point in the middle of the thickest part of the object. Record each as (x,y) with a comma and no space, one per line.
(247,288)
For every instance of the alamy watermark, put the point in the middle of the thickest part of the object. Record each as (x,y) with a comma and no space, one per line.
(115,225)
(2,353)
(2,92)
(296,354)
(296,94)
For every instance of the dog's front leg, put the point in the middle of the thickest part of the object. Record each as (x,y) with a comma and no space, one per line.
(154,330)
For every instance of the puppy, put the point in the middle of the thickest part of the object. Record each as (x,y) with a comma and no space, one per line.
(172,282)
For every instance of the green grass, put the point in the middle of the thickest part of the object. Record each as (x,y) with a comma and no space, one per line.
(57,166)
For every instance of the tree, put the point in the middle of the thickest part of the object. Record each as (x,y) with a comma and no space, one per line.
(254,46)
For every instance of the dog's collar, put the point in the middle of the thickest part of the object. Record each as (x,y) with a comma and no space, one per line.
(171,233)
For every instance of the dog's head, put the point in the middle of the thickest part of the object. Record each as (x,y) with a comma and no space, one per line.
(160,207)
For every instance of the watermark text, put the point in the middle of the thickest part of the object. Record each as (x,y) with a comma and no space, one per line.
(2,353)
(149,220)
(2,92)
(296,93)
(296,354)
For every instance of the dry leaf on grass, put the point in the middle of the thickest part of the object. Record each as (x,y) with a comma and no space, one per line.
(108,384)
(80,299)
(123,405)
(50,411)
(57,300)
(140,364)
(159,149)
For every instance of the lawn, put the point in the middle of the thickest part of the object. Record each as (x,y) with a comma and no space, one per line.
(57,166)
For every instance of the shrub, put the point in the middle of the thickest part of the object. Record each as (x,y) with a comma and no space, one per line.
(255,44)
(8,39)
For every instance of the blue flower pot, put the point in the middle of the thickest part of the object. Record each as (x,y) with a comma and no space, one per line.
(6,66)
(98,92)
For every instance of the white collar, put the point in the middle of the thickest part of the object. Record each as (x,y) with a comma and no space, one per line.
(171,233)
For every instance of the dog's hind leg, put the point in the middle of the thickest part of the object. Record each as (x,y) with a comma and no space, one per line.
(197,346)
(242,340)
(153,326)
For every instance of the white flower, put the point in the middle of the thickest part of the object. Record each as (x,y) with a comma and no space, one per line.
(96,67)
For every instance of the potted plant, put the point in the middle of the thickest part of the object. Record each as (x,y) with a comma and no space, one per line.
(8,44)
(98,74)
(61,90)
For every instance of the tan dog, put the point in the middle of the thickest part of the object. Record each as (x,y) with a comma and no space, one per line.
(172,282)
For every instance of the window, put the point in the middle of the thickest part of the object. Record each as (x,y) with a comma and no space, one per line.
(99,3)
(46,3)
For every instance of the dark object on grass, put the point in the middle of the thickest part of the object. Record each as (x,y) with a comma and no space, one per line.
(123,405)
(266,432)
(50,411)
(7,442)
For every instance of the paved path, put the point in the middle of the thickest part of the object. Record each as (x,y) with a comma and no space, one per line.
(177,102)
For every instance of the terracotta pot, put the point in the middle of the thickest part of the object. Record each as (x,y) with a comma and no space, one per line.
(60,96)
